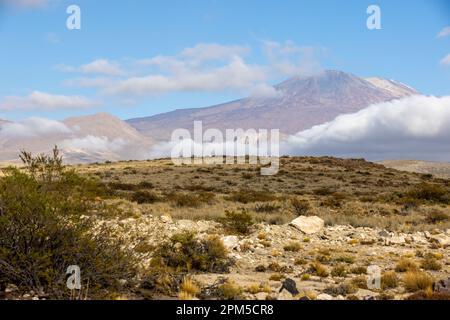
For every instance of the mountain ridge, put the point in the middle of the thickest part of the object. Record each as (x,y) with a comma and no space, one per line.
(301,102)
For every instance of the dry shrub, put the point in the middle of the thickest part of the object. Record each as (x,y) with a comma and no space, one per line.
(405,264)
(416,280)
(319,269)
(430,263)
(190,287)
(300,207)
(293,247)
(389,280)
(231,290)
(339,271)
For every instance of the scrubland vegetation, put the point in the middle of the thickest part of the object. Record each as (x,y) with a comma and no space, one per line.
(52,216)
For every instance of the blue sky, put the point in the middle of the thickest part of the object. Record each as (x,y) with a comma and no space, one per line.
(126,48)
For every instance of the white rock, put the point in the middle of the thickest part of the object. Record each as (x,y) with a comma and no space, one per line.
(261,296)
(442,239)
(364,294)
(230,242)
(166,219)
(308,225)
(187,225)
(11,288)
(324,296)
(395,240)
(285,295)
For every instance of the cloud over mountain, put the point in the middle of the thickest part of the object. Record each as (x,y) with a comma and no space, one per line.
(416,127)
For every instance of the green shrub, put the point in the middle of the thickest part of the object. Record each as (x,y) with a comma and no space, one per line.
(249,196)
(267,207)
(239,222)
(143,196)
(45,228)
(430,193)
(339,271)
(300,207)
(342,289)
(145,185)
(123,186)
(293,247)
(435,217)
(183,252)
(359,270)
(430,264)
(187,200)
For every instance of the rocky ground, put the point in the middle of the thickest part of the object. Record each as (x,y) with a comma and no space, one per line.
(271,254)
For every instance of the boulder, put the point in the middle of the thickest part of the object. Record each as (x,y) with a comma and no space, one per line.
(308,225)
(290,286)
(395,240)
(166,219)
(442,286)
(230,242)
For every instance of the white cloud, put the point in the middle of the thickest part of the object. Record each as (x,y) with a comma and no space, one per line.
(99,67)
(289,59)
(446,60)
(444,32)
(264,91)
(98,82)
(94,144)
(102,66)
(33,127)
(416,127)
(203,67)
(235,75)
(213,51)
(44,101)
(27,3)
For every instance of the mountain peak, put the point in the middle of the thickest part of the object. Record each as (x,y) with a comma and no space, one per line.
(393,87)
(303,101)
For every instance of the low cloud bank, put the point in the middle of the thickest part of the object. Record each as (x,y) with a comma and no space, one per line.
(416,127)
